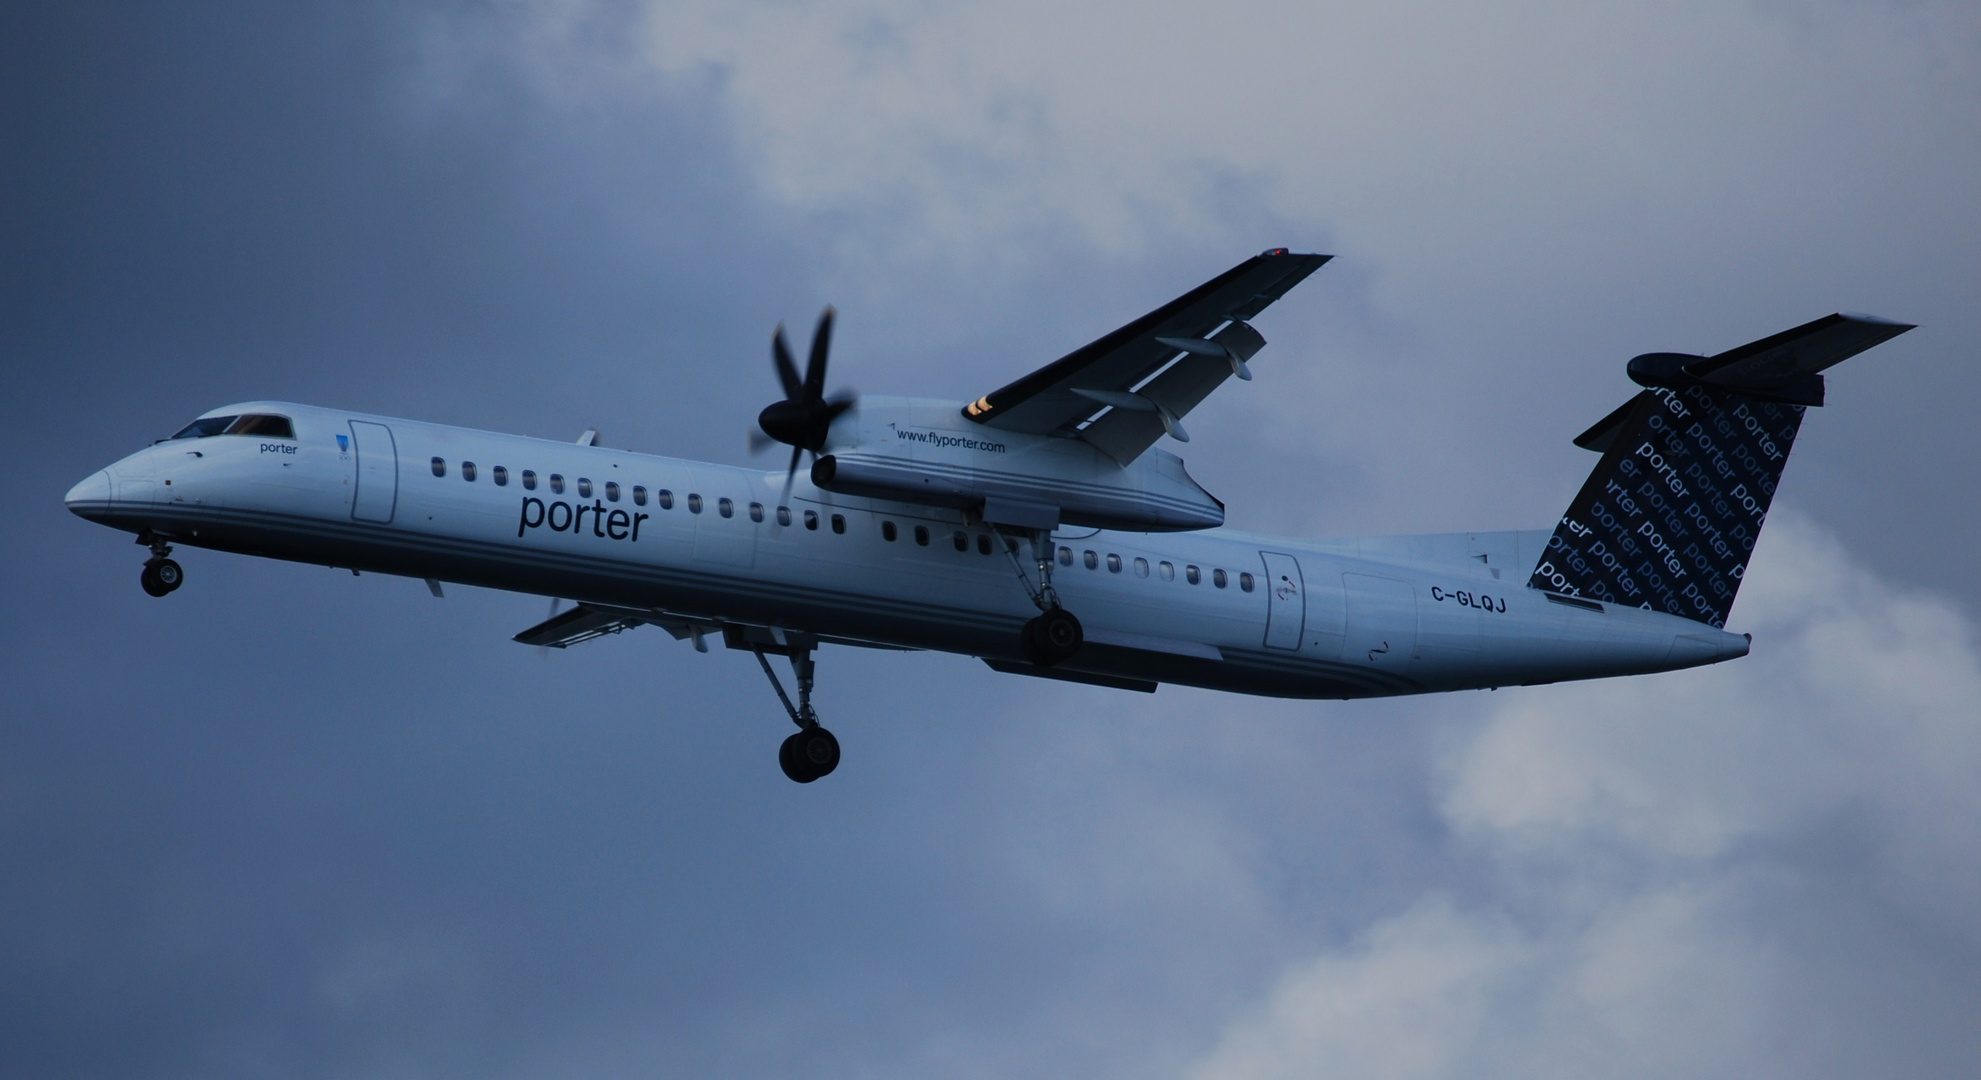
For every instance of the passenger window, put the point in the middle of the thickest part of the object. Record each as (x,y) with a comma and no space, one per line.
(1218,579)
(439,467)
(557,483)
(1092,560)
(1166,571)
(664,498)
(1113,563)
(725,506)
(922,535)
(200,429)
(887,531)
(612,491)
(529,480)
(268,427)
(694,503)
(584,488)
(1245,582)
(639,495)
(1066,556)
(839,523)
(756,511)
(501,476)
(1141,566)
(812,520)
(1193,575)
(962,541)
(784,515)
(468,471)
(984,543)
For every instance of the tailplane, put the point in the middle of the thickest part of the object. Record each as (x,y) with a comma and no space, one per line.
(1669,517)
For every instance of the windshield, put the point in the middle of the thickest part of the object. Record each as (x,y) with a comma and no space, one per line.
(200,429)
(267,425)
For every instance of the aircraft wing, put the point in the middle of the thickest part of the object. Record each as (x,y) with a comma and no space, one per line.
(1189,345)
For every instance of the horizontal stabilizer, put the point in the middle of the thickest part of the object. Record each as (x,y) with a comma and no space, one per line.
(1784,359)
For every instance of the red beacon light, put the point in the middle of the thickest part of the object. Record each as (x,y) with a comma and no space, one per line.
(1273,251)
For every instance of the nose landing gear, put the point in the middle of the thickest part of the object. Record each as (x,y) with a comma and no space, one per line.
(161,575)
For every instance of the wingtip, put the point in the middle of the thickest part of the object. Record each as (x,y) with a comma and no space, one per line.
(1894,325)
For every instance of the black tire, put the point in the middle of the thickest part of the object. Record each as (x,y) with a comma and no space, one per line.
(167,574)
(149,581)
(793,766)
(1052,637)
(808,755)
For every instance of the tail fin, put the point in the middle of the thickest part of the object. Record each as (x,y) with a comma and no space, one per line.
(1669,517)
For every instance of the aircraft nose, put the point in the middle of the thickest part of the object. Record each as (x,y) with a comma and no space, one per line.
(93,494)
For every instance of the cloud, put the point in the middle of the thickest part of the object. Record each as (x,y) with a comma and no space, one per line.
(1679,863)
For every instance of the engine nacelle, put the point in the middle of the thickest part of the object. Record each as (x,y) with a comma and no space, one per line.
(925,452)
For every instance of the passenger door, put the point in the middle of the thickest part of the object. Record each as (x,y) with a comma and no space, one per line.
(378,472)
(1286,601)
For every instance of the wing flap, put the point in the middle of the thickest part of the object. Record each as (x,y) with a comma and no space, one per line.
(580,624)
(1123,434)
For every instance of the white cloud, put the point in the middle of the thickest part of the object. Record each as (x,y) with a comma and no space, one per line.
(1666,859)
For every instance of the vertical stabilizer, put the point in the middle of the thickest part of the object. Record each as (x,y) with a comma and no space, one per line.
(1668,519)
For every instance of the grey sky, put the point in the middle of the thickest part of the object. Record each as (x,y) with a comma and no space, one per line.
(290,822)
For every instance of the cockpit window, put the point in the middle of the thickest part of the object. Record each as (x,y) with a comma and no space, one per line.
(264,425)
(200,429)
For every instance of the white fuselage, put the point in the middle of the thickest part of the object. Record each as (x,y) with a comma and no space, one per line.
(1320,618)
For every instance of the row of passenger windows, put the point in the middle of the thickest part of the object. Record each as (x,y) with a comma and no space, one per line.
(662,497)
(727,508)
(1165,569)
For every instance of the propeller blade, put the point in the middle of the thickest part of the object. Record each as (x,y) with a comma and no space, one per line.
(760,442)
(791,473)
(787,372)
(821,345)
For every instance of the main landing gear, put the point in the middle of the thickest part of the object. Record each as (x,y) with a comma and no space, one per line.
(161,575)
(1054,635)
(812,752)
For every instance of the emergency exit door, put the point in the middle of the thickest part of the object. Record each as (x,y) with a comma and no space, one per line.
(1286,601)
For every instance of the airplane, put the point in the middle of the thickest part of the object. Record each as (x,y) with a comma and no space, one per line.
(1037,527)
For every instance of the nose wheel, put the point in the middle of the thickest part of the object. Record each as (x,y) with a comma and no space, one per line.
(161,575)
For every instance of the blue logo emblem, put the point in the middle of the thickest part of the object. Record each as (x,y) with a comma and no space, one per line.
(344,443)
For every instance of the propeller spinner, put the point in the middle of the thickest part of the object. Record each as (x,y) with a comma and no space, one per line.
(804,418)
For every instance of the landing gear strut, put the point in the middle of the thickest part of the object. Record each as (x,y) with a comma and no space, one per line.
(1054,635)
(161,575)
(812,752)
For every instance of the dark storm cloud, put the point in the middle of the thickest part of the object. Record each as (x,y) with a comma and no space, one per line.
(289,821)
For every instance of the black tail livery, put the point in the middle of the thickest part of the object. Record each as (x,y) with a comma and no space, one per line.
(1668,518)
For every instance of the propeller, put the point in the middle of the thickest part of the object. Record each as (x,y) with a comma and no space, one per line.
(804,418)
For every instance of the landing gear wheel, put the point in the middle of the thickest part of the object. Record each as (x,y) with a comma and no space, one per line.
(808,755)
(1052,637)
(161,576)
